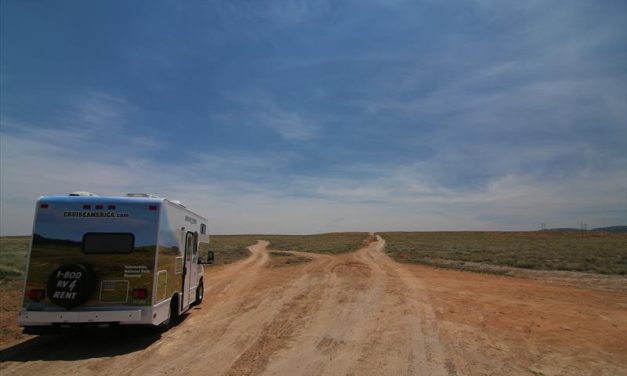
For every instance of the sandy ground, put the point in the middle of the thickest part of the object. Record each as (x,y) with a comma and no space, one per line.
(356,314)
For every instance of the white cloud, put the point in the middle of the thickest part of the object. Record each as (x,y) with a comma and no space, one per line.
(97,109)
(290,125)
(260,110)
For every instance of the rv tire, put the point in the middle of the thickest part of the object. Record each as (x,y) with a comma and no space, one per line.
(173,317)
(174,309)
(200,293)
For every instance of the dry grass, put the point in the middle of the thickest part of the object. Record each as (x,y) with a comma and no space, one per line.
(604,253)
(280,258)
(331,243)
(13,251)
(230,248)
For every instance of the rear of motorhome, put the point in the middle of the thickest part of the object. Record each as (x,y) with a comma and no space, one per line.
(112,260)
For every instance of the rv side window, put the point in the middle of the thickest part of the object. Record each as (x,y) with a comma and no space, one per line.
(101,242)
(203,228)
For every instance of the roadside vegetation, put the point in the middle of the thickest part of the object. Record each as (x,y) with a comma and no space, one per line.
(331,243)
(602,253)
(230,248)
(13,251)
(280,258)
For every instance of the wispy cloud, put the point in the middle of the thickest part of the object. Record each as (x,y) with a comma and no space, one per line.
(97,109)
(290,125)
(261,110)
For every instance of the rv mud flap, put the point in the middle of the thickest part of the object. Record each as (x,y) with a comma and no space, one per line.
(38,317)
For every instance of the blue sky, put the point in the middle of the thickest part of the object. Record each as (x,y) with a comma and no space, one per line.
(311,116)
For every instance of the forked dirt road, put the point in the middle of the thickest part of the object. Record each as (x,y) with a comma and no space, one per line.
(357,314)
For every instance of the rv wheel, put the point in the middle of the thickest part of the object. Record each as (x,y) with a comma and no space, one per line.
(174,310)
(200,292)
(173,317)
(70,285)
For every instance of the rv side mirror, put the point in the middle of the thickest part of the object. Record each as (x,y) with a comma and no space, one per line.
(207,259)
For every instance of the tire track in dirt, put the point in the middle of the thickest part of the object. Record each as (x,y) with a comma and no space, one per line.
(254,318)
(368,323)
(276,334)
(328,343)
(405,340)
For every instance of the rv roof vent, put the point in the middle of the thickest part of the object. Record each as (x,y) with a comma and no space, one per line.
(83,193)
(178,203)
(141,195)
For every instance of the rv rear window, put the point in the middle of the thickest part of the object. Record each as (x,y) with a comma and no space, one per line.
(101,242)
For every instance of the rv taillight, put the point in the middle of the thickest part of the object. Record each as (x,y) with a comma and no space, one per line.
(140,293)
(86,206)
(44,206)
(99,207)
(36,294)
(111,207)
(152,207)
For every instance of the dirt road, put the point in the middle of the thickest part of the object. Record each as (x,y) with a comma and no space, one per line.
(356,314)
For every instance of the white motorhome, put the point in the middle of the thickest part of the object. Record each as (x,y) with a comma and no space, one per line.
(112,260)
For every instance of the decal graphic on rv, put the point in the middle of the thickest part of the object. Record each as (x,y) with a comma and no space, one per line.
(88,214)
(129,261)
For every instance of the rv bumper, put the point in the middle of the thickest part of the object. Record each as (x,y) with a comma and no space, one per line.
(43,318)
